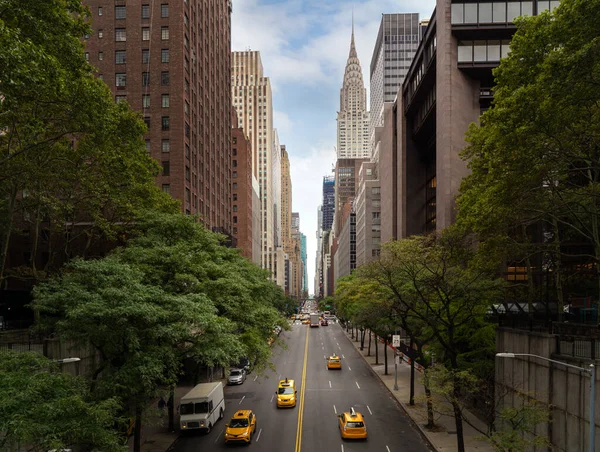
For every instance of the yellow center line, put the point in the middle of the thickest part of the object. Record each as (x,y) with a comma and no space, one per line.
(302,391)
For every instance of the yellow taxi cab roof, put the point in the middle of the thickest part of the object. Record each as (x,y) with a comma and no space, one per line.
(334,356)
(285,383)
(240,414)
(353,416)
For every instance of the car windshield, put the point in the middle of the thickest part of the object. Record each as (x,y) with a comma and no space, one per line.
(235,373)
(331,360)
(238,423)
(355,425)
(285,391)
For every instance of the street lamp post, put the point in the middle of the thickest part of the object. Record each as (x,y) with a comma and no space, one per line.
(592,373)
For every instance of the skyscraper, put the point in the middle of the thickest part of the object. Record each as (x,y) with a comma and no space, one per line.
(328,206)
(353,117)
(171,61)
(251,95)
(397,42)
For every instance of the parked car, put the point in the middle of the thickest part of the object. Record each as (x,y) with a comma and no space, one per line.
(236,376)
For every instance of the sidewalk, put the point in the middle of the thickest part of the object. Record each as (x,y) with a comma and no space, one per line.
(444,438)
(156,436)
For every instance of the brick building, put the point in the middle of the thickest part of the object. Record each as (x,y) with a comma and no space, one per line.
(171,61)
(241,187)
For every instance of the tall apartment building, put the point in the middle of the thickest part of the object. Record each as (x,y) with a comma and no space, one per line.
(303,257)
(241,187)
(346,186)
(345,255)
(368,214)
(251,95)
(353,117)
(397,42)
(286,200)
(171,61)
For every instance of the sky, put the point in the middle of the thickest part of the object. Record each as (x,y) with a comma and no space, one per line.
(304,46)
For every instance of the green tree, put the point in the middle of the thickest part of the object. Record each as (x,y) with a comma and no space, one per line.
(43,409)
(534,158)
(73,164)
(134,326)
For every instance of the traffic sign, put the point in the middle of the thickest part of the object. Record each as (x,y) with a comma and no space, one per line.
(396,340)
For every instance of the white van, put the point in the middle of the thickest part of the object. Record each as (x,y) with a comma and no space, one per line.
(202,407)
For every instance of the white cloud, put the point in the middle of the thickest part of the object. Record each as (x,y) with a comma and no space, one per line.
(282,122)
(307,193)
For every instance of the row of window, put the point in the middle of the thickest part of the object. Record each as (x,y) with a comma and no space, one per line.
(121,34)
(497,12)
(482,51)
(121,11)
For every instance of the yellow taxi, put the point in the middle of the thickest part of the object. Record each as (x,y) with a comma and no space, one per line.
(352,425)
(305,321)
(241,427)
(286,394)
(334,362)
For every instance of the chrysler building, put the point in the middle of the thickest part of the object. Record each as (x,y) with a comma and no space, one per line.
(353,117)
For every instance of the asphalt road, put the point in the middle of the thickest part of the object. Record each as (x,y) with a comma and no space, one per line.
(322,393)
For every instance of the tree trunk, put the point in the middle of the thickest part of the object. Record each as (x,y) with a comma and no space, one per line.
(558,271)
(352,332)
(362,339)
(460,440)
(171,408)
(8,233)
(385,358)
(376,351)
(411,399)
(369,352)
(137,433)
(430,419)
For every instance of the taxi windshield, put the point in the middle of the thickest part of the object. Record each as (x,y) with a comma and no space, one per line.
(238,423)
(334,360)
(285,391)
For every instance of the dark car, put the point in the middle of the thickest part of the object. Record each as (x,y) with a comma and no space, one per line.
(324,322)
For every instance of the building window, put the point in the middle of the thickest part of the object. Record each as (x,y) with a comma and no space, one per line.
(234,163)
(164,78)
(234,208)
(165,101)
(166,168)
(375,190)
(120,79)
(187,130)
(235,185)
(165,123)
(164,10)
(186,108)
(376,215)
(145,33)
(234,175)
(145,11)
(235,230)
(120,57)
(235,197)
(186,21)
(235,220)
(100,56)
(87,56)
(120,12)
(164,33)
(164,55)
(187,195)
(145,78)
(120,34)
(166,146)
(145,56)
(145,100)
(119,99)
(100,33)
(187,173)
(166,188)
(187,151)
(99,10)
(147,122)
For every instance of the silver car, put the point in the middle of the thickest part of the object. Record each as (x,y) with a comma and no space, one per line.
(236,376)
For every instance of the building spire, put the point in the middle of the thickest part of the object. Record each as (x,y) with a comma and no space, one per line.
(352,45)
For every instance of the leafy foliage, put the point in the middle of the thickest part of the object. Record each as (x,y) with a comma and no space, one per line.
(44,409)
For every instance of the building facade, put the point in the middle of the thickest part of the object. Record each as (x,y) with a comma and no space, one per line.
(251,95)
(346,186)
(353,117)
(397,41)
(328,206)
(368,214)
(345,255)
(241,188)
(171,62)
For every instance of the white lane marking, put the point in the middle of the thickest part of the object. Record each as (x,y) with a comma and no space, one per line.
(321,343)
(339,347)
(329,384)
(343,357)
(334,409)
(388,449)
(279,377)
(219,436)
(349,368)
(255,378)
(324,356)
(243,397)
(260,431)
(369,410)
(337,343)
(357,384)
(272,397)
(342,448)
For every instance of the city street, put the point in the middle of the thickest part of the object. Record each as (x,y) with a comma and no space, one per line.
(300,355)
